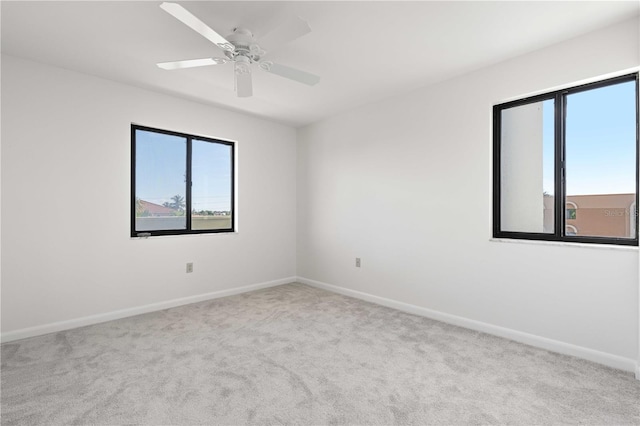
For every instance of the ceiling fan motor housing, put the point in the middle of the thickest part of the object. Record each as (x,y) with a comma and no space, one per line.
(245,46)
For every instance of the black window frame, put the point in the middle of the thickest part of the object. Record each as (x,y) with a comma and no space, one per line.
(559,96)
(188,202)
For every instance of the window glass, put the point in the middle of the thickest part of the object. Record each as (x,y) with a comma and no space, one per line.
(160,181)
(181,184)
(211,189)
(566,165)
(600,159)
(527,177)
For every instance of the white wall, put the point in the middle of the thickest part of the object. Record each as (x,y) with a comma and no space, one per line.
(66,166)
(406,185)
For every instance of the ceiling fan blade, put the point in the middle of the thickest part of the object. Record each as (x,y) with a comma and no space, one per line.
(184,16)
(244,86)
(287,31)
(290,73)
(175,65)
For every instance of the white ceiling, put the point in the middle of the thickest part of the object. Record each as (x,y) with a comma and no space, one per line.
(364,51)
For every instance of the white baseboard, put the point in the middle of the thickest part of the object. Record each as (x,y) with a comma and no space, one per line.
(604,358)
(129,312)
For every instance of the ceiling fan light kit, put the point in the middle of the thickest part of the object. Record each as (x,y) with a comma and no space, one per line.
(242,49)
(242,70)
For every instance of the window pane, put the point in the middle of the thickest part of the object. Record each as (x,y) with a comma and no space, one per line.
(527,174)
(211,190)
(160,181)
(601,161)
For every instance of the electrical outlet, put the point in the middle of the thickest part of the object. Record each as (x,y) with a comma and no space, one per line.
(189,267)
(357,262)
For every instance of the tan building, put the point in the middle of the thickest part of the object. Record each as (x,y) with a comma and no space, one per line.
(602,215)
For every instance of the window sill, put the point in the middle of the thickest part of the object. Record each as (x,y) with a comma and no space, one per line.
(154,237)
(565,244)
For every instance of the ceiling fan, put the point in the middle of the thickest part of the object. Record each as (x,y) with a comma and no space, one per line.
(242,49)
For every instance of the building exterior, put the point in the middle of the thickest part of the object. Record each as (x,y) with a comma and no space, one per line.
(597,215)
(145,208)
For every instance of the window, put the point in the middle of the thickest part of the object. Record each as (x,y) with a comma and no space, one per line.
(569,148)
(180,184)
(571,210)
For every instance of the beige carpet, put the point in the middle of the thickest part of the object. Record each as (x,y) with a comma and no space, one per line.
(298,355)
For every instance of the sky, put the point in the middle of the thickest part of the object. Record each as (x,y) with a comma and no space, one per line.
(161,171)
(600,141)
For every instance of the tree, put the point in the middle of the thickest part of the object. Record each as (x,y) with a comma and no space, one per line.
(177,203)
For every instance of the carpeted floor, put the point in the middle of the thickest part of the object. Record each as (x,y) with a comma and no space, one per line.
(298,355)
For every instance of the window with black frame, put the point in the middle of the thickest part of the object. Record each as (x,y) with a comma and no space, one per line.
(180,183)
(566,165)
